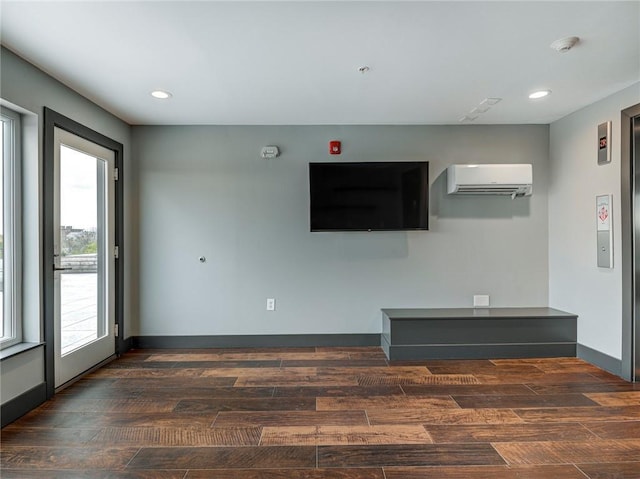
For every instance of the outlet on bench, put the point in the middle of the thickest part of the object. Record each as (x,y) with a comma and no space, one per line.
(480,300)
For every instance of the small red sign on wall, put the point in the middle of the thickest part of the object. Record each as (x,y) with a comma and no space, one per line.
(335,147)
(603,213)
(603,142)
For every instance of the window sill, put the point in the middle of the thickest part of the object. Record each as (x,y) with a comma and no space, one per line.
(17,349)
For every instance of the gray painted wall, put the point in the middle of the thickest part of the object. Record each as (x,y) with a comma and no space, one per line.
(29,88)
(205,191)
(575,282)
(20,373)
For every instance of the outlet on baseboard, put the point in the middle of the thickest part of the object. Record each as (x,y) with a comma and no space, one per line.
(271,304)
(480,300)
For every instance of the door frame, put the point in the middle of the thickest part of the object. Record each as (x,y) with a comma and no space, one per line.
(52,120)
(630,195)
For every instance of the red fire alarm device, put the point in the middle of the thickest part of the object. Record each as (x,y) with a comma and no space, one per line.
(334,147)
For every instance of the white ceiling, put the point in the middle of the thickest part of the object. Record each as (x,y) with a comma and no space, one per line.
(296,62)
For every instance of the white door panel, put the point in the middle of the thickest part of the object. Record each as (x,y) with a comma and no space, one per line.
(84,264)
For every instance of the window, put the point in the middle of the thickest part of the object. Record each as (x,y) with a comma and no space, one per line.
(10,229)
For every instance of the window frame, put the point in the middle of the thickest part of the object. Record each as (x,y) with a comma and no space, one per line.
(11,333)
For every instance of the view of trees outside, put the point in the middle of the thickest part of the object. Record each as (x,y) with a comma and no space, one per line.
(78,203)
(78,211)
(78,241)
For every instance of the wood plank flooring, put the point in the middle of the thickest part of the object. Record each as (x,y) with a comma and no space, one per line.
(330,413)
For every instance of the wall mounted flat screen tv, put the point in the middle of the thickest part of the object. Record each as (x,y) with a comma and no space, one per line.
(369,196)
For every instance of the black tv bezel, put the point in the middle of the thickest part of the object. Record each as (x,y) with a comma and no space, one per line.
(424,184)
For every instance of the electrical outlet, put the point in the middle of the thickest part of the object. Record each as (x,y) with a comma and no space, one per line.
(480,300)
(271,304)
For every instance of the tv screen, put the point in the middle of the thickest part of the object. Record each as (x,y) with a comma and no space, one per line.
(369,196)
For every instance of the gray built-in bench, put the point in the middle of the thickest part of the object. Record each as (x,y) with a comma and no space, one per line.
(475,333)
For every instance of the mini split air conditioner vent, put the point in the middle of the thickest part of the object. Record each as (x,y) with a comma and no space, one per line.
(511,180)
(505,190)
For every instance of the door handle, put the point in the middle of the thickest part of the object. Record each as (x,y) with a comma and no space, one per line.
(60,269)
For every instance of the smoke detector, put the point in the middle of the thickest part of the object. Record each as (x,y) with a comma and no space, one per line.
(563,45)
(269,152)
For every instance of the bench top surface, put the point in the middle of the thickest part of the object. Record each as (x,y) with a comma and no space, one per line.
(471,313)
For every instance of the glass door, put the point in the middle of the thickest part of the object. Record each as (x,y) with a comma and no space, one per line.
(84,255)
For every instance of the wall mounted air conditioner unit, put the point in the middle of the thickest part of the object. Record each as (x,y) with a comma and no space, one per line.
(511,179)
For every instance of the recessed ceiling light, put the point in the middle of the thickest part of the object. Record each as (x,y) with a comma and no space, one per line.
(161,94)
(539,94)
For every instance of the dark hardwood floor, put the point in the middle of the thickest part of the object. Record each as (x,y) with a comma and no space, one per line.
(334,413)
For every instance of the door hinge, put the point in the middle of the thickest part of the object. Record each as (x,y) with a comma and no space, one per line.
(116,252)
(116,330)
(116,174)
